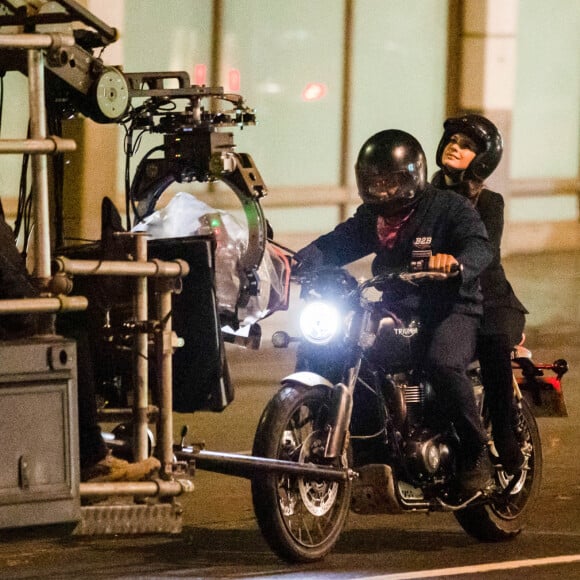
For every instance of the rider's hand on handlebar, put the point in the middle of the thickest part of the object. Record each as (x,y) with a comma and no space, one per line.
(443,263)
(307,259)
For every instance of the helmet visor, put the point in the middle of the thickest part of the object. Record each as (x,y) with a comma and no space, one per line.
(387,187)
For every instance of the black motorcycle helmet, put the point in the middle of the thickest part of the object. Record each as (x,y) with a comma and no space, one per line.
(391,171)
(487,138)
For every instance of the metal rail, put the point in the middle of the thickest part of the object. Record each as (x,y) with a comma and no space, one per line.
(153,488)
(49,305)
(141,269)
(36,41)
(152,268)
(248,465)
(46,146)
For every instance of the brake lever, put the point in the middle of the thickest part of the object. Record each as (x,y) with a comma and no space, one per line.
(431,274)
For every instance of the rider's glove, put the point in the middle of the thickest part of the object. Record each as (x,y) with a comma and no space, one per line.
(307,259)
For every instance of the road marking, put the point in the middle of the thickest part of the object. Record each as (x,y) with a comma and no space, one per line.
(479,568)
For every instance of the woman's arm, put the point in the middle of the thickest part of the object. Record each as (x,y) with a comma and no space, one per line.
(491,209)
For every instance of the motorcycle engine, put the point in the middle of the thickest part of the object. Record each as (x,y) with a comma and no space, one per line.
(426,444)
(427,454)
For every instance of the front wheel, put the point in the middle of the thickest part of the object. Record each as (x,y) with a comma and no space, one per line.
(300,518)
(505,515)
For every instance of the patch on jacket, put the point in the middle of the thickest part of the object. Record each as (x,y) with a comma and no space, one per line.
(421,253)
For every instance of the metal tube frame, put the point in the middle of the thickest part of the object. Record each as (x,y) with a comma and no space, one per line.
(141,270)
(47,146)
(39,166)
(39,145)
(36,41)
(48,305)
(150,269)
(141,356)
(248,465)
(155,488)
(164,352)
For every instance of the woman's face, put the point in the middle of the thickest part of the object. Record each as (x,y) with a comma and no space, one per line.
(459,152)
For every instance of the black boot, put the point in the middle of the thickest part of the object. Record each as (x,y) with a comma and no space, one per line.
(476,474)
(508,449)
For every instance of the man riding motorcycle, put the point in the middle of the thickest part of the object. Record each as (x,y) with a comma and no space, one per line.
(406,222)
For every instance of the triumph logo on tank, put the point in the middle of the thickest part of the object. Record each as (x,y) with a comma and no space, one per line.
(407,332)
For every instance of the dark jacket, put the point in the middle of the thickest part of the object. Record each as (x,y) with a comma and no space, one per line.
(14,283)
(497,291)
(442,222)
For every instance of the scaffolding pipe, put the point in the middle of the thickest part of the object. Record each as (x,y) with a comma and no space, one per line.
(38,131)
(153,488)
(248,465)
(49,305)
(151,269)
(141,355)
(142,269)
(47,146)
(36,41)
(164,351)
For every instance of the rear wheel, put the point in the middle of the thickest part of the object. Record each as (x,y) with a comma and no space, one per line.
(300,518)
(505,515)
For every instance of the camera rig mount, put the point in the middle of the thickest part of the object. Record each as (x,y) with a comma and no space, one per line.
(195,145)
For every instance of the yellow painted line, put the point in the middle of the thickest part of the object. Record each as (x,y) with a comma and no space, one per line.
(479,568)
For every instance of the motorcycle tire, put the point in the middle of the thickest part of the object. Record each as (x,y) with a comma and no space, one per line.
(300,518)
(505,515)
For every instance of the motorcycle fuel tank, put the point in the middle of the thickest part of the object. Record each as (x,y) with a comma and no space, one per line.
(395,343)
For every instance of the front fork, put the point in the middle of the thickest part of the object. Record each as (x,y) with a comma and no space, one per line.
(340,413)
(338,421)
(342,394)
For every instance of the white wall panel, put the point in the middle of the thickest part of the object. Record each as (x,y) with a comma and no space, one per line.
(279,49)
(399,71)
(546,117)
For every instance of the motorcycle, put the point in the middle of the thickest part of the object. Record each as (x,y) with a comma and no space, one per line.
(359,402)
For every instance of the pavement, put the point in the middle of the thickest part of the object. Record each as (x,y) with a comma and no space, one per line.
(548,284)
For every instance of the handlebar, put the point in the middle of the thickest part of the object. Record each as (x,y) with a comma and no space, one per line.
(338,281)
(381,280)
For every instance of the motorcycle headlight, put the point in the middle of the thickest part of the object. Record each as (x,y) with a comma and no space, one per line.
(320,322)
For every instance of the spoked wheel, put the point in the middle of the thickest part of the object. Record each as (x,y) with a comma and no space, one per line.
(505,515)
(300,518)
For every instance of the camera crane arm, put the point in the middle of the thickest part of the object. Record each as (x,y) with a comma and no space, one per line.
(195,147)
